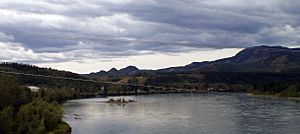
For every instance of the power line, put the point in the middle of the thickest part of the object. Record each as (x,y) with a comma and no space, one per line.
(75,79)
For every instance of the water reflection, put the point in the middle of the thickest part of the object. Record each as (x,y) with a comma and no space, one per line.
(185,113)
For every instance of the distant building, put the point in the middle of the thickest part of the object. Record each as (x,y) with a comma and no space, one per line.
(33,88)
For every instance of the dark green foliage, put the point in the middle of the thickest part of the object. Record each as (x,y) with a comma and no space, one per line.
(291,91)
(6,120)
(62,128)
(284,84)
(249,77)
(280,89)
(11,93)
(115,89)
(56,94)
(38,117)
(169,79)
(25,112)
(271,86)
(133,81)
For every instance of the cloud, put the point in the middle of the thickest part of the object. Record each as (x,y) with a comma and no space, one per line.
(285,34)
(77,30)
(11,51)
(14,52)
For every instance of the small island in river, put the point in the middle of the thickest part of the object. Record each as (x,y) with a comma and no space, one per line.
(119,101)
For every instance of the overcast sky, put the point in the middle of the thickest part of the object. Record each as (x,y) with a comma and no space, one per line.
(90,35)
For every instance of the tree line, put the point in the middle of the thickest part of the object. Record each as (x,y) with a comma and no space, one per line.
(281,84)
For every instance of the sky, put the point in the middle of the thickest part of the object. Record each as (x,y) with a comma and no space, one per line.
(86,36)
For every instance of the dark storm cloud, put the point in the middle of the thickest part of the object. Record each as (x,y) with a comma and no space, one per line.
(74,30)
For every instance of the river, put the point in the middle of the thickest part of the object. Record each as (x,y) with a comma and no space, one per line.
(203,113)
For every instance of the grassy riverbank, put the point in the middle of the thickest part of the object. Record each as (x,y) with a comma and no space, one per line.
(61,128)
(277,89)
(284,94)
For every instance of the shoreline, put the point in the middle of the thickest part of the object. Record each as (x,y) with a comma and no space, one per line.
(274,96)
(199,92)
(62,128)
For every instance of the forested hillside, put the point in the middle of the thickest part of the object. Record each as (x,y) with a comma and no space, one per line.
(31,69)
(79,88)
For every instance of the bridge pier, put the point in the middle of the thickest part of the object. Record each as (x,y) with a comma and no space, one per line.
(104,90)
(124,89)
(135,90)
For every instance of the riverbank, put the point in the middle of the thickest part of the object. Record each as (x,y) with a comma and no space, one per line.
(61,128)
(275,96)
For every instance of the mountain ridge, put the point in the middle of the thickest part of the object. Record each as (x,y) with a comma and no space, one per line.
(251,59)
(129,70)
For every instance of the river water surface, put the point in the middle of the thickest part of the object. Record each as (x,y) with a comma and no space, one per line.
(207,113)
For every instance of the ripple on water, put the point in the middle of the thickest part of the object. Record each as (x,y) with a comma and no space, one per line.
(185,113)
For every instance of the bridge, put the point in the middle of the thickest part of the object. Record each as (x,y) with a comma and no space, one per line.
(127,89)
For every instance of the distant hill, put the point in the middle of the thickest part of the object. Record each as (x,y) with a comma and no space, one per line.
(187,68)
(130,70)
(252,59)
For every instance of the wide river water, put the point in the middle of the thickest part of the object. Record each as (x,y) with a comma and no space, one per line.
(206,113)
